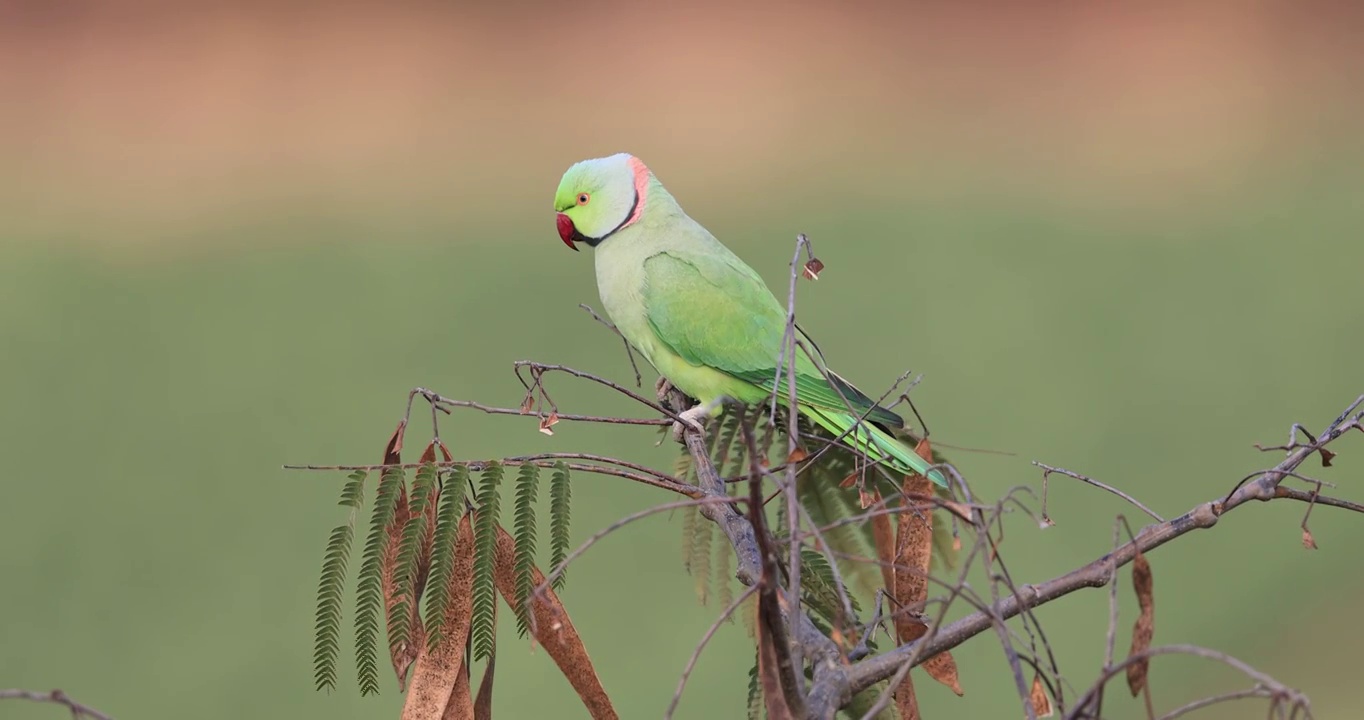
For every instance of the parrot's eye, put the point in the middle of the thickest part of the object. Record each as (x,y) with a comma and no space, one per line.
(583,198)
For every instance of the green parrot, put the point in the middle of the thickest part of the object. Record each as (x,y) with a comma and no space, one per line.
(701,316)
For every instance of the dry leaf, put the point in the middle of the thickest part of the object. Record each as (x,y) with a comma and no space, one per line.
(961,510)
(907,700)
(813,267)
(769,662)
(1326,457)
(461,704)
(913,556)
(402,655)
(796,455)
(528,404)
(943,668)
(549,422)
(483,704)
(885,547)
(866,499)
(440,680)
(1307,540)
(395,444)
(1041,702)
(1145,627)
(849,481)
(553,630)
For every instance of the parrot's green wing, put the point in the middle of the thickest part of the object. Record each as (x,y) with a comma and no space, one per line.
(712,310)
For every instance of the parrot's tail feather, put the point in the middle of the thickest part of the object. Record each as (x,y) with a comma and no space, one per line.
(875,443)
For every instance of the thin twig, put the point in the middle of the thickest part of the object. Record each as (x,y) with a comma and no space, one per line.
(446,403)
(1257,691)
(537,369)
(884,698)
(1312,497)
(1277,690)
(622,522)
(1261,486)
(655,479)
(629,351)
(1048,470)
(700,646)
(56,697)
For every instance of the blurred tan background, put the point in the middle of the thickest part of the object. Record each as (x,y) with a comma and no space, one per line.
(1122,239)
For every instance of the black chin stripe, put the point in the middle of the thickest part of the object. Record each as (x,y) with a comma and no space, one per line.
(593,242)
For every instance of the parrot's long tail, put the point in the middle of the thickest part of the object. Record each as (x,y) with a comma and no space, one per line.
(875,443)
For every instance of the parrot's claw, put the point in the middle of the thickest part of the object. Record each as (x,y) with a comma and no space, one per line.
(691,420)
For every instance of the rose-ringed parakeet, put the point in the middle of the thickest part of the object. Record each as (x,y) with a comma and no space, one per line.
(701,316)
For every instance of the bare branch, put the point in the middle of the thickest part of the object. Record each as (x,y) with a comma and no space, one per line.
(1279,692)
(544,460)
(559,569)
(1262,486)
(56,697)
(1257,691)
(629,351)
(700,646)
(1047,470)
(445,403)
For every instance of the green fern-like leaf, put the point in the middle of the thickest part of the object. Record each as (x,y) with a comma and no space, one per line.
(738,454)
(682,468)
(691,519)
(819,589)
(560,494)
(864,701)
(691,516)
(485,547)
(409,553)
(329,591)
(353,493)
(826,503)
(527,486)
(724,576)
(369,590)
(728,433)
(443,552)
(701,555)
(332,585)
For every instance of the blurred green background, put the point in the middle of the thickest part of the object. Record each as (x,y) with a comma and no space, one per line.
(1124,241)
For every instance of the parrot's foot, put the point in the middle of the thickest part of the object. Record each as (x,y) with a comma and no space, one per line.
(694,419)
(691,420)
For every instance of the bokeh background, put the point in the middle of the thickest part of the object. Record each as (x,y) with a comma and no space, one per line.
(1122,238)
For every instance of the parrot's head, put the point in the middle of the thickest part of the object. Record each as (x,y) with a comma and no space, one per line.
(598,197)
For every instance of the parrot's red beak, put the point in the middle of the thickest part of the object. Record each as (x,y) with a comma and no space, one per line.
(567,232)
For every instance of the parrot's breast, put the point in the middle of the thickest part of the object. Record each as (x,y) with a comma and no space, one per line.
(620,283)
